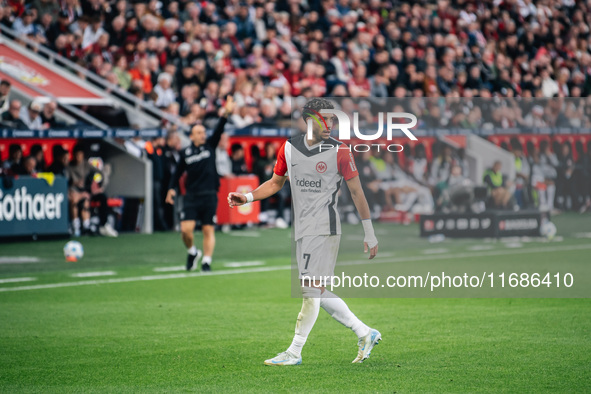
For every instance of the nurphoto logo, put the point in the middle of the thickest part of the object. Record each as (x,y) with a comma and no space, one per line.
(392,121)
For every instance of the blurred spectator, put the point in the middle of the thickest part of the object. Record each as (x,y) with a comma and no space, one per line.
(535,118)
(419,166)
(549,163)
(122,73)
(223,162)
(441,166)
(48,119)
(238,163)
(11,118)
(141,72)
(28,166)
(410,196)
(565,183)
(522,172)
(30,115)
(61,26)
(154,150)
(585,176)
(61,158)
(498,187)
(456,193)
(92,32)
(172,157)
(163,91)
(25,26)
(370,182)
(78,195)
(46,7)
(4,95)
(37,153)
(15,156)
(95,184)
(359,85)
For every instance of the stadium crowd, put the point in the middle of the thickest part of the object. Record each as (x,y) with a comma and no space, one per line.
(186,57)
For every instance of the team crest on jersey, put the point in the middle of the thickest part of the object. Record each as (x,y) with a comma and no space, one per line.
(321,167)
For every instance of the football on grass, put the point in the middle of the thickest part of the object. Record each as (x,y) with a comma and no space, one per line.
(548,230)
(73,251)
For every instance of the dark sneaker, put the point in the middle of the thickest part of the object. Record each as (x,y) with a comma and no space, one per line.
(205,267)
(192,259)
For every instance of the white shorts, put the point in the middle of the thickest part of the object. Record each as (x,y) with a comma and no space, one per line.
(317,255)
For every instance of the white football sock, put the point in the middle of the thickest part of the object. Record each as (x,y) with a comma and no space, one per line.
(206,260)
(192,250)
(306,319)
(86,224)
(551,193)
(543,199)
(76,224)
(339,310)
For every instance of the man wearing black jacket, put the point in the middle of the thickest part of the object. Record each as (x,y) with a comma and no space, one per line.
(202,184)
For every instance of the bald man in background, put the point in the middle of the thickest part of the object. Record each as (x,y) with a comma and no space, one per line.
(202,184)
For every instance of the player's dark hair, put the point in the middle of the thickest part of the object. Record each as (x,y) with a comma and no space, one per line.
(315,105)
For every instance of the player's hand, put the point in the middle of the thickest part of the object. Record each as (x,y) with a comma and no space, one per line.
(170,196)
(229,106)
(236,199)
(372,251)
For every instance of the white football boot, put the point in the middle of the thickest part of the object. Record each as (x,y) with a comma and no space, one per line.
(285,358)
(367,343)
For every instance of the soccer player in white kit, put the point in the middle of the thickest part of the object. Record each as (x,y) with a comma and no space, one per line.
(316,168)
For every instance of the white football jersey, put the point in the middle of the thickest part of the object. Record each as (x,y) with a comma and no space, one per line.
(316,173)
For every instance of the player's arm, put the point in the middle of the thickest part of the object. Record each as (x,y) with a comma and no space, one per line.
(266,190)
(174,180)
(214,140)
(370,241)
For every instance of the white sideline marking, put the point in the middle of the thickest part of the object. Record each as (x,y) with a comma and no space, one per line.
(505,252)
(480,247)
(15,280)
(170,269)
(147,278)
(435,251)
(238,264)
(245,234)
(582,235)
(288,267)
(18,260)
(514,245)
(385,254)
(93,274)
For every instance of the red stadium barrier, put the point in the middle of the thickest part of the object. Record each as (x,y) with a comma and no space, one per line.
(244,214)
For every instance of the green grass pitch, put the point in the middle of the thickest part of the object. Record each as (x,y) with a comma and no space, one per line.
(141,330)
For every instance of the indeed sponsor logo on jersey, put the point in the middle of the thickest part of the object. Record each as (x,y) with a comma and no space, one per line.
(303,182)
(198,157)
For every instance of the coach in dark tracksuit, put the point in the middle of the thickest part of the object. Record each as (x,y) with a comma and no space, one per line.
(202,185)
